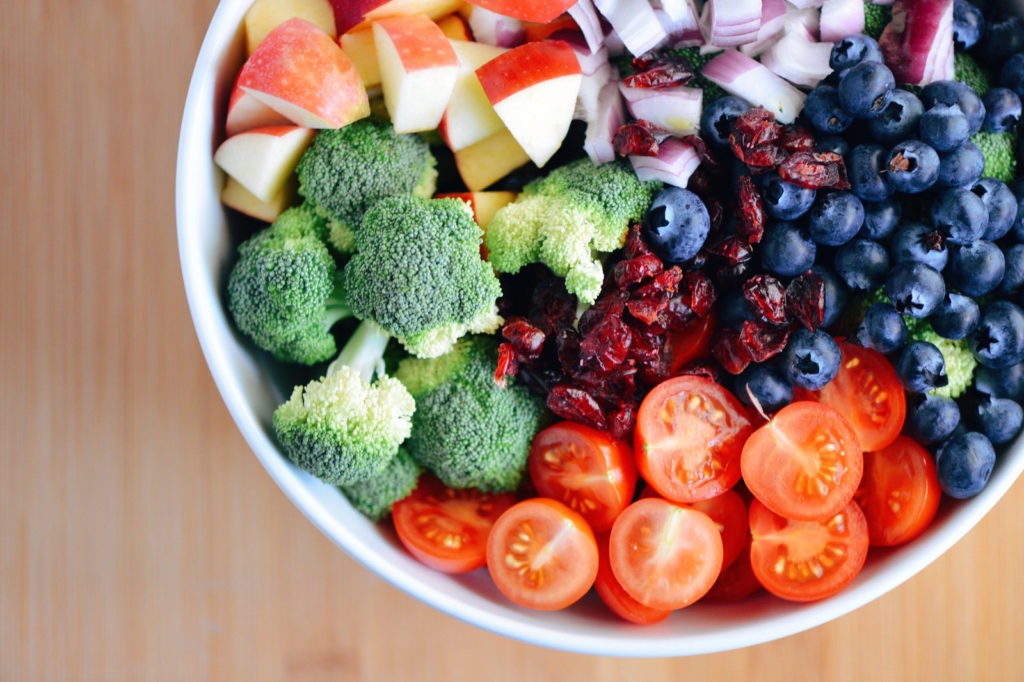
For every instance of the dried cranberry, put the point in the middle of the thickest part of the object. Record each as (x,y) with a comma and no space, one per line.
(805,299)
(754,139)
(763,340)
(659,71)
(635,245)
(622,421)
(702,368)
(734,249)
(730,350)
(635,270)
(815,170)
(526,340)
(575,404)
(708,160)
(637,138)
(796,138)
(767,297)
(701,292)
(750,216)
(508,364)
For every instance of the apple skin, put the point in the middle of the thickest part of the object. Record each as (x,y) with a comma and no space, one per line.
(525,66)
(266,15)
(349,14)
(302,73)
(537,11)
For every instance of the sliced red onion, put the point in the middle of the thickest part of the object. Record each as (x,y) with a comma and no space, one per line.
(674,109)
(593,82)
(681,21)
(634,22)
(586,17)
(809,19)
(917,43)
(798,59)
(675,163)
(609,115)
(728,23)
(739,75)
(773,19)
(495,29)
(806,4)
(841,18)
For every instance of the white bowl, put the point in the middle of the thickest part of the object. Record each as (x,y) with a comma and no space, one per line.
(252,389)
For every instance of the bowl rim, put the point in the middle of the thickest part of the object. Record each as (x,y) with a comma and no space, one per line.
(235,376)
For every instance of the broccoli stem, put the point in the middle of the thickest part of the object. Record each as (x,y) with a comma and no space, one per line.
(364,351)
(336,306)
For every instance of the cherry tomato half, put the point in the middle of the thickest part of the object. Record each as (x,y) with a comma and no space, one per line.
(586,469)
(542,555)
(664,555)
(690,342)
(729,513)
(616,598)
(447,528)
(899,492)
(805,463)
(807,560)
(737,581)
(867,392)
(689,435)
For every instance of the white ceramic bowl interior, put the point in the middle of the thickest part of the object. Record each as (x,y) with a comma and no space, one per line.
(252,388)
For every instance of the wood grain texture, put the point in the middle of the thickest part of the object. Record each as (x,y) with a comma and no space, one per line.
(141,541)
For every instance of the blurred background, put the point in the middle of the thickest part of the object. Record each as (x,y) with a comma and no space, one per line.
(139,538)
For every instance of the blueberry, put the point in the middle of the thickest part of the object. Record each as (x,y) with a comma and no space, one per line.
(898,120)
(832,143)
(1012,74)
(1000,40)
(961,215)
(784,200)
(920,243)
(836,295)
(998,340)
(852,50)
(968,24)
(768,387)
(921,367)
(944,127)
(1002,110)
(786,250)
(932,419)
(882,329)
(956,316)
(823,111)
(865,166)
(881,218)
(961,167)
(835,217)
(1001,205)
(976,269)
(732,309)
(862,264)
(964,464)
(958,93)
(1005,382)
(865,88)
(810,359)
(913,167)
(718,117)
(915,289)
(999,419)
(1018,222)
(676,225)
(1013,277)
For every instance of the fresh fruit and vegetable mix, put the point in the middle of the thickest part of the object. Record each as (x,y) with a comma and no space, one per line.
(661,301)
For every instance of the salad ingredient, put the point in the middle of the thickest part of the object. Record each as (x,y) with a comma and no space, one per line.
(615,597)
(998,150)
(729,512)
(263,159)
(585,469)
(537,11)
(447,528)
(676,225)
(349,14)
(899,493)
(284,291)
(344,172)
(805,463)
(664,555)
(468,430)
(417,272)
(876,18)
(673,163)
(689,434)
(730,23)
(375,495)
(964,464)
(542,555)
(745,77)
(265,15)
(347,426)
(565,219)
(736,581)
(807,560)
(918,41)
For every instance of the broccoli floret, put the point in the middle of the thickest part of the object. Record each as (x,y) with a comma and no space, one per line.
(347,170)
(468,430)
(284,292)
(417,272)
(374,496)
(709,91)
(347,426)
(998,150)
(876,18)
(566,219)
(966,69)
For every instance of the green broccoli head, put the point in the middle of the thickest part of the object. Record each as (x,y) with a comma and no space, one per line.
(566,219)
(876,18)
(469,431)
(346,170)
(999,152)
(375,495)
(960,362)
(284,291)
(417,272)
(967,70)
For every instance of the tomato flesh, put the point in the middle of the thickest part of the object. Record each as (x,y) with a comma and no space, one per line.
(542,555)
(447,528)
(616,598)
(899,492)
(689,343)
(584,468)
(807,560)
(689,434)
(805,463)
(664,555)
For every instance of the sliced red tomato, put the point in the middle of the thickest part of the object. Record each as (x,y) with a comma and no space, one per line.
(867,392)
(807,560)
(664,555)
(586,469)
(899,492)
(542,555)
(729,513)
(689,343)
(615,597)
(737,581)
(447,528)
(689,434)
(805,463)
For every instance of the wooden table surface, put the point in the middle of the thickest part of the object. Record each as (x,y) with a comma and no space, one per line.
(139,538)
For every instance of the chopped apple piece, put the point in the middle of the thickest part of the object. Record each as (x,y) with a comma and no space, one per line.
(236,196)
(484,204)
(484,163)
(360,48)
(262,159)
(455,27)
(349,14)
(538,11)
(245,112)
(266,15)
(469,116)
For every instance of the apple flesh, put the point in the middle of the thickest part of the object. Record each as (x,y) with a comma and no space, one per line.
(360,48)
(489,160)
(469,116)
(418,69)
(302,73)
(236,196)
(262,159)
(537,11)
(245,112)
(349,14)
(484,204)
(455,27)
(266,15)
(534,88)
